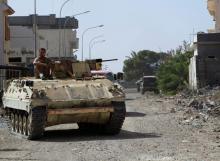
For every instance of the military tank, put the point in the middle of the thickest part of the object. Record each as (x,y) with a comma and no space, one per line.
(32,104)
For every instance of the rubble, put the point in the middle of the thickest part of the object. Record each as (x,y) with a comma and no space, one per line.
(197,123)
(217,129)
(199,107)
(173,110)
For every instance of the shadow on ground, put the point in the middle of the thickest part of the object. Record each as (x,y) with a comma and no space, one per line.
(76,135)
(130,99)
(10,150)
(135,114)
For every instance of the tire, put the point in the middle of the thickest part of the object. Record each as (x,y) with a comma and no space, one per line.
(116,120)
(36,123)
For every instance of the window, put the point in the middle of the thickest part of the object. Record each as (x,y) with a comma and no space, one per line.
(14,60)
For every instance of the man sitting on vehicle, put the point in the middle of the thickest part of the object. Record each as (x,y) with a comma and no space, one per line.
(43,66)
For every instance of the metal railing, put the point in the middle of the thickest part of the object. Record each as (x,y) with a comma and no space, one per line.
(10,72)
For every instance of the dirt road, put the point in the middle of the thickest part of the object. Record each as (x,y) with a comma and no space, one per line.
(151,132)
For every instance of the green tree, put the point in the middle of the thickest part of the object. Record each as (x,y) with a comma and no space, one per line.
(144,62)
(173,74)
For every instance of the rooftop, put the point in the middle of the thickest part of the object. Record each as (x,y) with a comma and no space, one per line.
(44,22)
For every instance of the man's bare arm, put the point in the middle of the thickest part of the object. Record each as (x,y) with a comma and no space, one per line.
(36,62)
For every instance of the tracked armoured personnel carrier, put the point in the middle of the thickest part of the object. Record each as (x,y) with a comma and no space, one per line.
(74,96)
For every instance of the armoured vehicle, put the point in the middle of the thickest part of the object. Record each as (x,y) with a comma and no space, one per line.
(74,96)
(148,83)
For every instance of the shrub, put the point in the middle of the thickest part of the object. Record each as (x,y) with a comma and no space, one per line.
(173,75)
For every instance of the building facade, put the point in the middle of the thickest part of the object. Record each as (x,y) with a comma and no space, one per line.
(5,10)
(214,10)
(57,35)
(204,68)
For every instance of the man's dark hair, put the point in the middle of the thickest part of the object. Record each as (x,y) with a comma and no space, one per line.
(43,49)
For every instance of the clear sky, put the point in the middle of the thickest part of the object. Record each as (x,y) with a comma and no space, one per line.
(130,25)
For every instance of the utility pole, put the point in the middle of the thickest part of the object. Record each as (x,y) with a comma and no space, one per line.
(84,34)
(35,28)
(60,22)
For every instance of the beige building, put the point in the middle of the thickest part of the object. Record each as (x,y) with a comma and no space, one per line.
(5,10)
(214,10)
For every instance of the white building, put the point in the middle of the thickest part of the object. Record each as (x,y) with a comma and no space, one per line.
(49,36)
(193,82)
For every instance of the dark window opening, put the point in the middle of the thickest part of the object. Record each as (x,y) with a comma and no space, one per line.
(211,57)
(14,60)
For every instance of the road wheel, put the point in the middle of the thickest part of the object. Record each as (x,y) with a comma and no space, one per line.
(21,124)
(116,120)
(16,122)
(25,125)
(13,121)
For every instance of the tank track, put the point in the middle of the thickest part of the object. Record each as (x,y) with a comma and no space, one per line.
(113,126)
(116,120)
(27,125)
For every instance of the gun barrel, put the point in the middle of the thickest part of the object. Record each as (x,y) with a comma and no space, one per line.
(109,60)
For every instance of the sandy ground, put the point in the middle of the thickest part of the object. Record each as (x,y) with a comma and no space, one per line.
(151,132)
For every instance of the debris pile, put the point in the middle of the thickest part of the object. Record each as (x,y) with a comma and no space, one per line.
(199,107)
